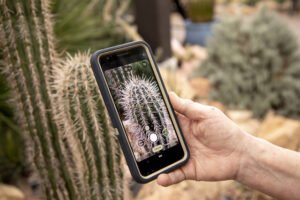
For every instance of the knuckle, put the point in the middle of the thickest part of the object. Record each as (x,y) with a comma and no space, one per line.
(188,102)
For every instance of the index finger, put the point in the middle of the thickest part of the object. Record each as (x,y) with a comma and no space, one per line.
(189,108)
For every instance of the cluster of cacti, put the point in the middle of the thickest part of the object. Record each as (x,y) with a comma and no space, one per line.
(68,141)
(146,114)
(255,64)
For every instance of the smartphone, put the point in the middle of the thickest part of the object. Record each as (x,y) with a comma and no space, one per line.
(140,110)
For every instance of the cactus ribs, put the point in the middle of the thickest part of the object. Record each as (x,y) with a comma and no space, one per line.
(141,109)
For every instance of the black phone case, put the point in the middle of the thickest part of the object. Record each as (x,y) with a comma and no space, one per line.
(117,124)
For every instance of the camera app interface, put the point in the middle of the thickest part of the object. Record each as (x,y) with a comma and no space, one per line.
(140,105)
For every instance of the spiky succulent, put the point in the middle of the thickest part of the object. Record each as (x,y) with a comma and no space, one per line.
(68,142)
(117,78)
(146,114)
(255,64)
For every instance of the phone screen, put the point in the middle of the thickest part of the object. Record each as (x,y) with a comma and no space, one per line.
(142,109)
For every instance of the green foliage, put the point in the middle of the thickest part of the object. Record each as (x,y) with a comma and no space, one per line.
(142,69)
(68,141)
(11,165)
(80,25)
(255,64)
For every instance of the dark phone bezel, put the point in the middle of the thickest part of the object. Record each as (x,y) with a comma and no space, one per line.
(122,58)
(132,163)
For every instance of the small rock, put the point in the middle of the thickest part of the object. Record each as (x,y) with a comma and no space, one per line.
(8,192)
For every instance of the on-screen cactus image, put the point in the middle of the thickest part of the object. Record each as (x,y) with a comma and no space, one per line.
(141,108)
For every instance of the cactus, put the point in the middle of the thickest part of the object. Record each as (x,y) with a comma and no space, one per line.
(145,110)
(255,64)
(69,158)
(81,115)
(116,80)
(118,77)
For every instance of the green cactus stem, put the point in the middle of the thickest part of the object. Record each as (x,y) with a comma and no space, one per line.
(74,160)
(28,58)
(82,114)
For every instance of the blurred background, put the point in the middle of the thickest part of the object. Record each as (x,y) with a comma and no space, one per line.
(56,140)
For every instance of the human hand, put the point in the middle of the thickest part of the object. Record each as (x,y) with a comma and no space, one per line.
(214,141)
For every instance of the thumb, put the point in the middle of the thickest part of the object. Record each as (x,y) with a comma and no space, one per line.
(171,178)
(188,108)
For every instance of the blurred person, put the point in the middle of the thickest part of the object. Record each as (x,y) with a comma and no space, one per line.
(220,150)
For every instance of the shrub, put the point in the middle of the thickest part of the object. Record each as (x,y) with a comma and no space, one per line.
(255,64)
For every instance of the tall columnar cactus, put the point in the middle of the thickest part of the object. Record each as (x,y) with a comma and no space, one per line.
(146,113)
(255,64)
(71,161)
(28,59)
(82,117)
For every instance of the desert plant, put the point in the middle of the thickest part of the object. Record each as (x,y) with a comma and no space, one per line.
(255,64)
(146,112)
(116,79)
(82,24)
(82,117)
(55,150)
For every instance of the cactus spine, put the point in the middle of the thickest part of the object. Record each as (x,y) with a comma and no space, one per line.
(118,77)
(82,115)
(69,158)
(146,112)
(28,66)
